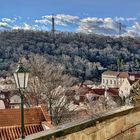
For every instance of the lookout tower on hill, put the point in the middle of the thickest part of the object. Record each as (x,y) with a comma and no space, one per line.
(120,28)
(53,24)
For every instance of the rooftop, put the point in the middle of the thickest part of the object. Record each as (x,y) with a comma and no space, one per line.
(122,74)
(98,91)
(34,118)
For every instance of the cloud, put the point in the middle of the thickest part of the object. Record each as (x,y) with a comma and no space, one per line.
(4,25)
(122,19)
(106,26)
(134,30)
(43,21)
(8,20)
(131,19)
(60,19)
(25,26)
(119,19)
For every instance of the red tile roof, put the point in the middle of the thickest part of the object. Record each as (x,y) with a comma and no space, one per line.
(10,122)
(136,74)
(122,74)
(98,91)
(112,73)
(14,132)
(117,74)
(113,91)
(11,117)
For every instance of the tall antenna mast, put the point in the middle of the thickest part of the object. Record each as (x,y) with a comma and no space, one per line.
(120,29)
(53,25)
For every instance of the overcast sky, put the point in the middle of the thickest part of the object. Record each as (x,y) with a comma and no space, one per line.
(97,16)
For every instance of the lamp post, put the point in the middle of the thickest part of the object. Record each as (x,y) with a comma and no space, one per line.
(21,78)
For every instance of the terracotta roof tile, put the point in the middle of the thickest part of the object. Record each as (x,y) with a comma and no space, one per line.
(113,73)
(10,122)
(136,74)
(122,74)
(14,132)
(98,91)
(113,91)
(11,117)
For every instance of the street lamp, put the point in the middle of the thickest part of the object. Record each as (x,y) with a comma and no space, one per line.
(21,78)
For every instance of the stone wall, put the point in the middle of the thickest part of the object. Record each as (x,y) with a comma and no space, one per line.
(120,124)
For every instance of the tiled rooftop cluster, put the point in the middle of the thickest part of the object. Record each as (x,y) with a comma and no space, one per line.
(35,118)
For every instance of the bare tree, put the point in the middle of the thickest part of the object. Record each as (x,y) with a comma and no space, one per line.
(48,84)
(135,93)
(95,103)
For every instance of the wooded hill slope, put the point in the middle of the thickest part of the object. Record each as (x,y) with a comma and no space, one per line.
(81,54)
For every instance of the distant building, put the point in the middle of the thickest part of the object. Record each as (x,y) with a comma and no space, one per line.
(125,88)
(7,84)
(98,96)
(4,98)
(115,79)
(36,120)
(15,101)
(9,97)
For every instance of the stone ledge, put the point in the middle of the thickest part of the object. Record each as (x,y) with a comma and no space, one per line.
(79,126)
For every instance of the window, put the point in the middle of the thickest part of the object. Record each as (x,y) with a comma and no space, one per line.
(111,82)
(106,81)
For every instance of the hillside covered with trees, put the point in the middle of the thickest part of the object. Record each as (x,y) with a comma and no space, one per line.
(81,54)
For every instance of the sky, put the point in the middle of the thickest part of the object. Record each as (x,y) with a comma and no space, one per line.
(89,16)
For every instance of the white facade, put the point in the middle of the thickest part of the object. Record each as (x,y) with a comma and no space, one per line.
(109,81)
(125,89)
(112,80)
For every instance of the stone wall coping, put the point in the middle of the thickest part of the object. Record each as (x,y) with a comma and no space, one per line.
(73,127)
